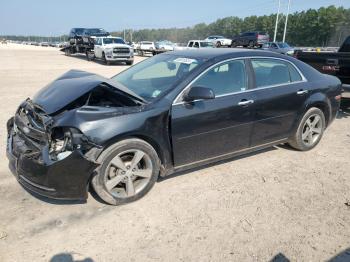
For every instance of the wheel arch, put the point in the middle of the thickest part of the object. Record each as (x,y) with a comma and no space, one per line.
(148,139)
(319,100)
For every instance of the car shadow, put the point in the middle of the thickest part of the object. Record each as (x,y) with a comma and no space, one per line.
(343,113)
(234,158)
(67,257)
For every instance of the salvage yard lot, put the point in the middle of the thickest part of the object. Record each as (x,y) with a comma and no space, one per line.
(252,208)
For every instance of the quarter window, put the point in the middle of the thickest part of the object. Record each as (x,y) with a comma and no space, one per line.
(226,78)
(274,72)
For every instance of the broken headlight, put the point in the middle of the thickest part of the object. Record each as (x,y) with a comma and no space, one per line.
(64,141)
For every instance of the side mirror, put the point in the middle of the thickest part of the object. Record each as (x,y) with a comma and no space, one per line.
(199,92)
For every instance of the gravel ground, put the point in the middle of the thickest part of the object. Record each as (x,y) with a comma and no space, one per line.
(275,204)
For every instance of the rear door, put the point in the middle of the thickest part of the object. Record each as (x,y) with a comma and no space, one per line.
(206,129)
(281,91)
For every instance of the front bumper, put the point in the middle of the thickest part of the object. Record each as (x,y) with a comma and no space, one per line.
(62,179)
(115,58)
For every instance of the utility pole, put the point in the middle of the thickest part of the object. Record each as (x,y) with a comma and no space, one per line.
(278,13)
(285,24)
(124,35)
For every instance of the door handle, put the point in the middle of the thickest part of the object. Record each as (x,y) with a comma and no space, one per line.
(245,102)
(302,92)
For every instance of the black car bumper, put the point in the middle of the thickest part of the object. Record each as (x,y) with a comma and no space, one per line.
(62,179)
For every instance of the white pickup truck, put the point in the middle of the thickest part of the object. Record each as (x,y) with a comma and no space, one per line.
(113,49)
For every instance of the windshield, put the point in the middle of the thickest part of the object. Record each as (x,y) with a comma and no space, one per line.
(207,44)
(283,45)
(157,75)
(107,41)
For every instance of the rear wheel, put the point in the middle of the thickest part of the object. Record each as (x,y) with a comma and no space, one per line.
(251,44)
(310,130)
(218,44)
(128,171)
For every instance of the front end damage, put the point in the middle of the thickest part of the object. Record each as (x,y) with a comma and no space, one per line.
(55,163)
(48,149)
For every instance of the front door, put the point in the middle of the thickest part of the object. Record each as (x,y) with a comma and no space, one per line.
(206,129)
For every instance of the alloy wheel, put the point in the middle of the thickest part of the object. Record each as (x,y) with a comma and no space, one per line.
(128,173)
(312,130)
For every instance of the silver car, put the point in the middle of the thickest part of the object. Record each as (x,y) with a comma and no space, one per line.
(279,47)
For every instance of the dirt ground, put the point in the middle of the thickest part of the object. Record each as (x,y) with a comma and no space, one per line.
(275,204)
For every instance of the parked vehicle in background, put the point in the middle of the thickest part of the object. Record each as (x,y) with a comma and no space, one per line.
(250,39)
(81,40)
(332,63)
(196,44)
(279,47)
(169,113)
(144,47)
(4,42)
(45,44)
(113,49)
(219,40)
(164,45)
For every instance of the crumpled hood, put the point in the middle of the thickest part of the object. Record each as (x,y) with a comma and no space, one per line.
(71,86)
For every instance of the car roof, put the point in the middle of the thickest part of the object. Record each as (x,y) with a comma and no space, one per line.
(209,53)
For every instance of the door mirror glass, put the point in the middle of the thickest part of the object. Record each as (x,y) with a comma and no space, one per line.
(199,92)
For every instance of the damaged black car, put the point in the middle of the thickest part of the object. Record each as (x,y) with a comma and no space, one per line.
(168,113)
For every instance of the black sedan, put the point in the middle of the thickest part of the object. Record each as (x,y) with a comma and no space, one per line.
(168,113)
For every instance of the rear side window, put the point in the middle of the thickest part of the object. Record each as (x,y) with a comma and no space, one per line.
(274,72)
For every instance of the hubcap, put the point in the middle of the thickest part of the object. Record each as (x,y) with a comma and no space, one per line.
(312,130)
(128,173)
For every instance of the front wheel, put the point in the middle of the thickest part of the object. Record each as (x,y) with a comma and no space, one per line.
(218,44)
(310,130)
(128,171)
(129,62)
(105,61)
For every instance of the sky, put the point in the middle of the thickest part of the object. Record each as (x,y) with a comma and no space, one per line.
(50,18)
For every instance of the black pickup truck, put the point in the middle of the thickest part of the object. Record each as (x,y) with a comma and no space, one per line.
(332,63)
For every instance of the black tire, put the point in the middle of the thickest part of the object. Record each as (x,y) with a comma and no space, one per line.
(218,44)
(297,141)
(233,44)
(129,62)
(251,44)
(104,59)
(102,173)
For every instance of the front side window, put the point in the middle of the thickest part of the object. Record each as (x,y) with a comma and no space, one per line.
(225,78)
(274,72)
(196,45)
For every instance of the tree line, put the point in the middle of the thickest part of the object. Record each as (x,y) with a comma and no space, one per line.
(312,27)
(306,28)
